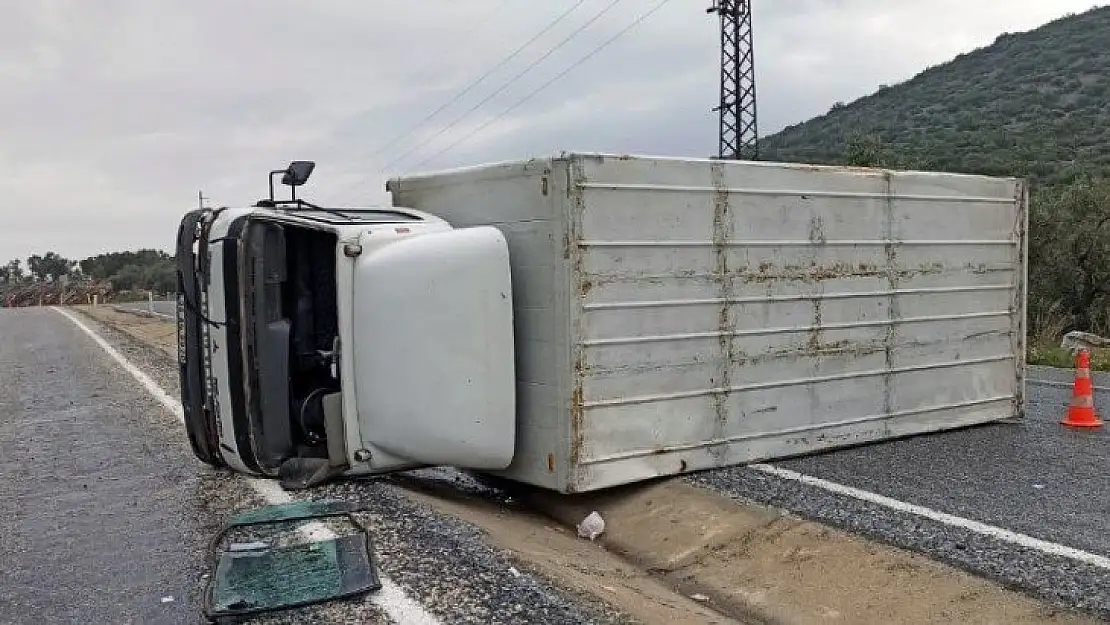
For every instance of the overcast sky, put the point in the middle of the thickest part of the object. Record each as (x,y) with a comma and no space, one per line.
(116,112)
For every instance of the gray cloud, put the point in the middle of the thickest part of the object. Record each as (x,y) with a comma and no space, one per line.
(118,111)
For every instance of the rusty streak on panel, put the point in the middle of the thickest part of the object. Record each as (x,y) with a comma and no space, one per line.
(722,233)
(833,349)
(817,273)
(767,272)
(792,297)
(818,236)
(893,307)
(1020,303)
(580,285)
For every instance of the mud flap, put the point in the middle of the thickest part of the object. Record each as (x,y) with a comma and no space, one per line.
(268,573)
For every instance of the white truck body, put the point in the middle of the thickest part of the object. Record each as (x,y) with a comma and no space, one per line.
(676,314)
(321,336)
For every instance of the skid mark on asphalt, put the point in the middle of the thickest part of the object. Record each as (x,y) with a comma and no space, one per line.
(391,598)
(991,531)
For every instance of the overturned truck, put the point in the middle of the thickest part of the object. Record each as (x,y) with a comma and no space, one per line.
(587,320)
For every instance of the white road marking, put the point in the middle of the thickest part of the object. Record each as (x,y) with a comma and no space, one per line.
(391,598)
(991,531)
(150,385)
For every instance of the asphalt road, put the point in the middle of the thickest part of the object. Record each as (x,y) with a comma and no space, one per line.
(105,515)
(1035,478)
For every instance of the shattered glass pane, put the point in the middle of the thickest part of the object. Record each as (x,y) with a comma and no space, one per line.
(266,572)
(285,577)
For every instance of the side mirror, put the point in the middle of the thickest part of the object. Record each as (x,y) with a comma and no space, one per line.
(297,173)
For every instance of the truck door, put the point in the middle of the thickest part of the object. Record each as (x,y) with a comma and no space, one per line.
(433,355)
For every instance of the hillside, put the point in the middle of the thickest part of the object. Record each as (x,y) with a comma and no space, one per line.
(1033,104)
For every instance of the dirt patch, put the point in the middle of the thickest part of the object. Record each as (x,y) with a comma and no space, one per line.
(158,333)
(762,564)
(585,568)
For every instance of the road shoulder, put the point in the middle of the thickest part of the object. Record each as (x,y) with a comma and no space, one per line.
(764,564)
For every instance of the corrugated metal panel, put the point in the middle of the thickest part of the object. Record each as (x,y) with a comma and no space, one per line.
(736,311)
(677,314)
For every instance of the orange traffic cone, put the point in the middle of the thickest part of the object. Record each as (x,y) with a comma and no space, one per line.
(1081,412)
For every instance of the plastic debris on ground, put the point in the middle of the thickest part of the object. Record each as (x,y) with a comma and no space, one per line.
(592,526)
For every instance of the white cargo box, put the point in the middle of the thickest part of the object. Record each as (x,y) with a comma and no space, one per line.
(680,314)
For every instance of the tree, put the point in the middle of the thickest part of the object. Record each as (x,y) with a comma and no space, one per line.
(145,269)
(50,267)
(865,151)
(104,266)
(1069,254)
(142,270)
(129,278)
(11,273)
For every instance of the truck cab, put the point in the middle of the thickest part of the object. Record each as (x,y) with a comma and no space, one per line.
(317,341)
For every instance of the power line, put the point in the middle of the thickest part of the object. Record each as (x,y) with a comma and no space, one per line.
(458,96)
(501,89)
(466,90)
(533,93)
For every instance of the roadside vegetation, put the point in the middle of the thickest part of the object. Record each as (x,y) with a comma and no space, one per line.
(1056,356)
(115,276)
(1033,104)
